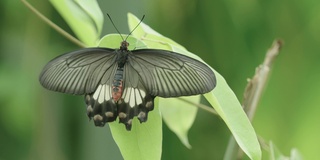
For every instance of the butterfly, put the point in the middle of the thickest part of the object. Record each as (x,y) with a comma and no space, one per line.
(122,83)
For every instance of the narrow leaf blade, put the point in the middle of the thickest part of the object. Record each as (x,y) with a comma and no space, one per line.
(228,107)
(221,98)
(179,115)
(84,18)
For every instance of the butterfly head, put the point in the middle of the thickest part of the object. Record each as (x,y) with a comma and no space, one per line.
(124,46)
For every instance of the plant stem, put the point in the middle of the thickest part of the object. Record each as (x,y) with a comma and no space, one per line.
(201,106)
(252,95)
(54,26)
(255,86)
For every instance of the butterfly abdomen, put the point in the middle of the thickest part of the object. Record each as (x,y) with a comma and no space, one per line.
(117,85)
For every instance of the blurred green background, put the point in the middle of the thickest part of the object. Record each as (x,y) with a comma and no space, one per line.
(231,36)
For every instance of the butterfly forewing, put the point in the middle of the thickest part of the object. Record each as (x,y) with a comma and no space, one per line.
(169,74)
(78,72)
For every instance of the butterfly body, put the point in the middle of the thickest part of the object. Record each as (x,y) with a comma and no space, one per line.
(117,85)
(122,83)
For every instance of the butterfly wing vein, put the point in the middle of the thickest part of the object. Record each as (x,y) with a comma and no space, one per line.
(79,72)
(169,74)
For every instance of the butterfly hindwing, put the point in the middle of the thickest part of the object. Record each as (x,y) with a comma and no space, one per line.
(136,100)
(100,105)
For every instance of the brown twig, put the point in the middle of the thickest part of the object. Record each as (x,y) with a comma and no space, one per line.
(252,95)
(255,86)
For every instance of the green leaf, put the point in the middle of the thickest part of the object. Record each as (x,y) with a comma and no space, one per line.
(84,17)
(275,153)
(114,41)
(179,115)
(221,98)
(147,34)
(225,102)
(144,141)
(295,154)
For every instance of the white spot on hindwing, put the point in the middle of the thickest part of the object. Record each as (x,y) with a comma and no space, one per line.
(96,93)
(133,96)
(138,97)
(142,93)
(102,93)
(97,118)
(107,93)
(149,104)
(89,109)
(122,115)
(109,114)
(126,94)
(132,101)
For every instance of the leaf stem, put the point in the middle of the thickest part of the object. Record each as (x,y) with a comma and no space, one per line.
(199,105)
(54,26)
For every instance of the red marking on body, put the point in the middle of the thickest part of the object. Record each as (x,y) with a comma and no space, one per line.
(117,91)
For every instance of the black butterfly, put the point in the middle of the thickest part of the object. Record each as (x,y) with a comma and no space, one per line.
(122,83)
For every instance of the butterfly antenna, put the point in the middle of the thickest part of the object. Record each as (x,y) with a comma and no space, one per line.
(115,27)
(135,27)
